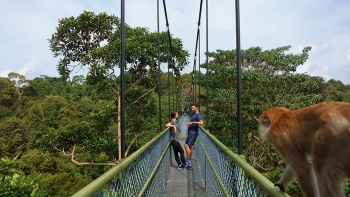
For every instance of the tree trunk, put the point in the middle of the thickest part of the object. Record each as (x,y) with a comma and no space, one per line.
(19,109)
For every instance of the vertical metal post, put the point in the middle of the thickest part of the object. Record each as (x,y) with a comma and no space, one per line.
(159,82)
(207,109)
(122,66)
(180,94)
(172,82)
(239,83)
(199,70)
(207,71)
(168,89)
(195,83)
(176,94)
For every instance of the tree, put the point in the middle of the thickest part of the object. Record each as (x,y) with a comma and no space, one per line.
(15,184)
(7,97)
(268,80)
(334,90)
(20,82)
(346,94)
(93,41)
(78,79)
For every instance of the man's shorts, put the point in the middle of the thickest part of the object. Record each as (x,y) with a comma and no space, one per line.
(191,138)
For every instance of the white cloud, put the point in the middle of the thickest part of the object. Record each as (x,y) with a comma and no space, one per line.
(325,68)
(4,73)
(30,67)
(348,56)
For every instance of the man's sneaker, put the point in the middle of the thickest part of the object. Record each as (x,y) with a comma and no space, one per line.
(181,167)
(189,163)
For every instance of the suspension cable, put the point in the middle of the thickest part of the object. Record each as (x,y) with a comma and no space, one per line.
(195,55)
(170,49)
(171,61)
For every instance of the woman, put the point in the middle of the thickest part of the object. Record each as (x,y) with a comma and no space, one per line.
(174,130)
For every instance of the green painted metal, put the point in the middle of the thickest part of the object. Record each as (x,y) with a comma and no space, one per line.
(215,172)
(95,185)
(264,183)
(149,180)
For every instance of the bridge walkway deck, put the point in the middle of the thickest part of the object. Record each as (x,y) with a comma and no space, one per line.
(183,183)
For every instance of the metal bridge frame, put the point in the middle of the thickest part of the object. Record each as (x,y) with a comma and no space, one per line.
(145,172)
(234,175)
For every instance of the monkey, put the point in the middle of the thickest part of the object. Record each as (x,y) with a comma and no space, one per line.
(314,142)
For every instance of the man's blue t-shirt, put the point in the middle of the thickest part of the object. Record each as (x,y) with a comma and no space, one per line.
(193,128)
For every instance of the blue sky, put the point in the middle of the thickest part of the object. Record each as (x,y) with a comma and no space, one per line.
(323,25)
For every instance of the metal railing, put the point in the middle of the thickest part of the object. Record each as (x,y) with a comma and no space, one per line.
(136,175)
(146,171)
(227,174)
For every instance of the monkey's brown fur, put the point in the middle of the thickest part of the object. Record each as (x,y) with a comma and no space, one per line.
(314,141)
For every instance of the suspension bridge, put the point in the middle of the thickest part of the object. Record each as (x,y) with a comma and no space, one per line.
(152,171)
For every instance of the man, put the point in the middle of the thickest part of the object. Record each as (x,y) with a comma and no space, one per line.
(192,133)
(174,130)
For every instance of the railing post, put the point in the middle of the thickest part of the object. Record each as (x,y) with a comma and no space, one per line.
(239,81)
(122,66)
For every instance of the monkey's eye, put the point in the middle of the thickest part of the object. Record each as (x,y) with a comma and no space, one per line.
(264,119)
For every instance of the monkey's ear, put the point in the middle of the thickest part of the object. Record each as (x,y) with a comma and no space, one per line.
(264,120)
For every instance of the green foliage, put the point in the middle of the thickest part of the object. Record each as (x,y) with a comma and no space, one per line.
(76,116)
(13,137)
(94,40)
(14,183)
(36,161)
(268,80)
(334,90)
(53,174)
(7,97)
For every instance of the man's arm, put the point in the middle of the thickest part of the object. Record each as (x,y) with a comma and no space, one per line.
(199,122)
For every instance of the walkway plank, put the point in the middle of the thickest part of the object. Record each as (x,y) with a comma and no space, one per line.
(183,183)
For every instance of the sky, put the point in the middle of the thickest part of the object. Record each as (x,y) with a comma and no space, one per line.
(324,25)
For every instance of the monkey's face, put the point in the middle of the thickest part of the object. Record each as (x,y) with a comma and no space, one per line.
(268,120)
(264,128)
